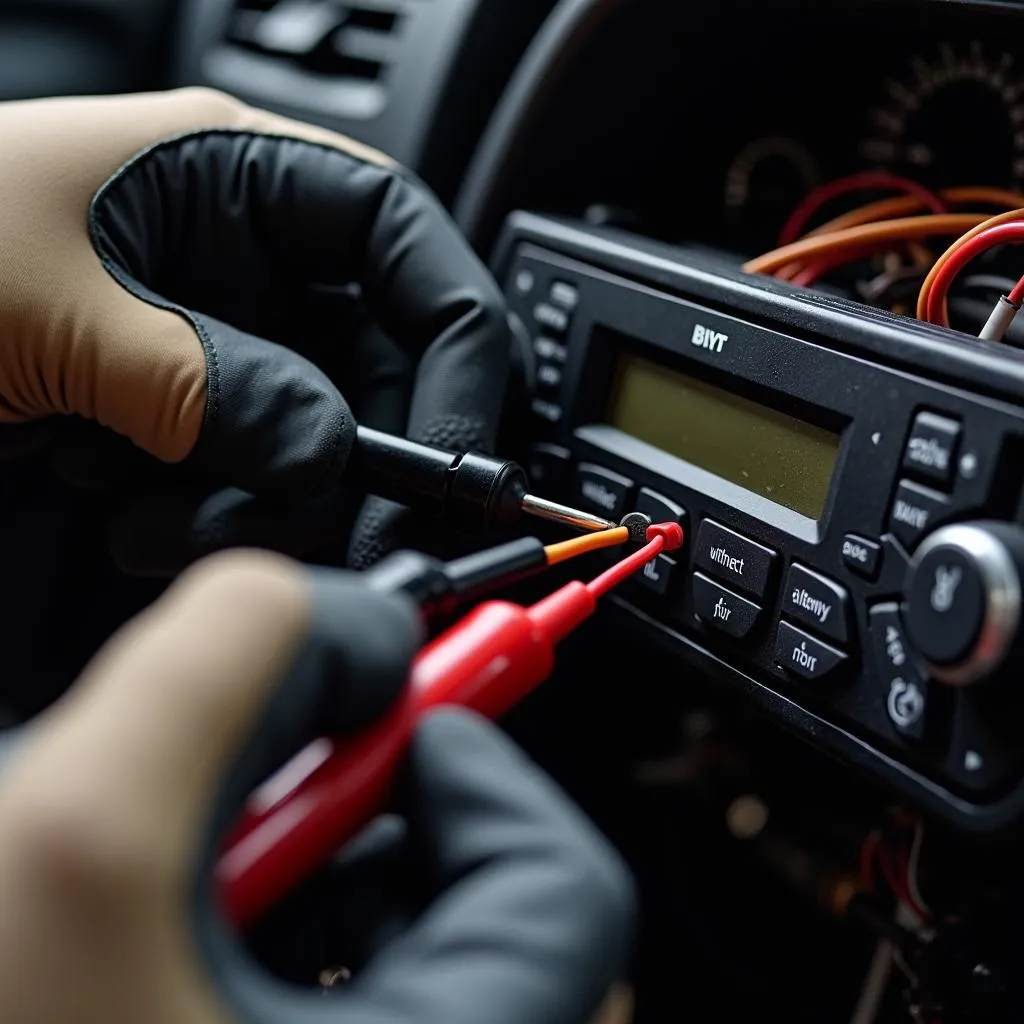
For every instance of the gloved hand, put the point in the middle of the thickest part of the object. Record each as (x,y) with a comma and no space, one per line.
(113,803)
(194,275)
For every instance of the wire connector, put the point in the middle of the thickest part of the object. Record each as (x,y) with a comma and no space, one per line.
(999,319)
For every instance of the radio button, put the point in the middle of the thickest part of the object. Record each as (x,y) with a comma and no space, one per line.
(932,448)
(550,351)
(658,574)
(817,602)
(722,609)
(546,410)
(549,376)
(799,653)
(734,558)
(564,295)
(904,689)
(602,492)
(660,508)
(863,556)
(915,511)
(551,318)
(548,468)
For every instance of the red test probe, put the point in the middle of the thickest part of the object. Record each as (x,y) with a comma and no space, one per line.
(487,662)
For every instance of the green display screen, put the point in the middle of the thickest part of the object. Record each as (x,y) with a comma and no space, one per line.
(767,452)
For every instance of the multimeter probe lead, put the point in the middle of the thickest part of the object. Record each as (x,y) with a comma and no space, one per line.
(488,662)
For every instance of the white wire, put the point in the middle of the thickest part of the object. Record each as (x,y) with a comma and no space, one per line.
(912,866)
(876,984)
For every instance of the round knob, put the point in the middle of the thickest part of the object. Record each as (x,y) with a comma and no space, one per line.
(962,607)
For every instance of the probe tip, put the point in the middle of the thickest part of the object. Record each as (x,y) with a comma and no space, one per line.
(670,533)
(638,524)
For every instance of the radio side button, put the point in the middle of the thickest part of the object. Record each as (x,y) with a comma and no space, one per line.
(602,492)
(658,574)
(904,689)
(548,467)
(722,609)
(861,555)
(733,558)
(660,508)
(817,602)
(915,511)
(799,653)
(932,448)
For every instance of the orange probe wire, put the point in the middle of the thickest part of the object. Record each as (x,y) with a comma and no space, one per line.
(577,546)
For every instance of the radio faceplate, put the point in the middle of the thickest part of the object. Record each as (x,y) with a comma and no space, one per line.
(808,447)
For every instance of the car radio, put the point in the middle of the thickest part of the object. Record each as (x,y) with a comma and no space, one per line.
(850,483)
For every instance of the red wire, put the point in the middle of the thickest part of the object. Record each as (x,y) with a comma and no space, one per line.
(1017,295)
(999,234)
(794,226)
(867,856)
(810,274)
(600,585)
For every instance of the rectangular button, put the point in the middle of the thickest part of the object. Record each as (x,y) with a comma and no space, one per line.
(861,555)
(548,468)
(546,410)
(932,448)
(722,609)
(904,689)
(915,511)
(731,557)
(658,574)
(550,351)
(551,318)
(603,492)
(818,602)
(659,508)
(799,653)
(564,295)
(549,376)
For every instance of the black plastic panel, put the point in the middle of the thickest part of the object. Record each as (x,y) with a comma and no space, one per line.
(848,371)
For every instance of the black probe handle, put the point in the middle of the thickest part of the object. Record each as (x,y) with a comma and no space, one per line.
(468,489)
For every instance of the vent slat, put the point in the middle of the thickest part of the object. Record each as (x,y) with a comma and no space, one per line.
(326,37)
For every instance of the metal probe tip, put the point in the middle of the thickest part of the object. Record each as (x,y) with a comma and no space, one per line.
(637,524)
(555,513)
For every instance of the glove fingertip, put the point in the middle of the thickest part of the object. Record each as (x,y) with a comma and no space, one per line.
(367,639)
(460,759)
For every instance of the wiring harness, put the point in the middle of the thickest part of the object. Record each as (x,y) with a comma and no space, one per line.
(900,233)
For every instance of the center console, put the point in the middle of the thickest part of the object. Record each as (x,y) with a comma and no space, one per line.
(850,484)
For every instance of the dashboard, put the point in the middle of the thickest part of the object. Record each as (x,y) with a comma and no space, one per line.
(619,163)
(711,128)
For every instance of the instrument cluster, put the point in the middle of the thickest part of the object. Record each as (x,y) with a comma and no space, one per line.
(947,113)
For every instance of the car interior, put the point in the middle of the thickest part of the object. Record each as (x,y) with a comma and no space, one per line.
(760,269)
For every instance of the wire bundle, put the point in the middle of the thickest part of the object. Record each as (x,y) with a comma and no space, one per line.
(899,227)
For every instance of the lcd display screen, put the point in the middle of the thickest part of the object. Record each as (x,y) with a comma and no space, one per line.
(781,458)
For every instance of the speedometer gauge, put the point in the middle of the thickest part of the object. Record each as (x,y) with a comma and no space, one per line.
(956,118)
(765,180)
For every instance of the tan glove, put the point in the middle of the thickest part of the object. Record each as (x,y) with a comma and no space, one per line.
(175,266)
(114,804)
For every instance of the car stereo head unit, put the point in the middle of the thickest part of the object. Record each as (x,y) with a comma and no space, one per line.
(850,484)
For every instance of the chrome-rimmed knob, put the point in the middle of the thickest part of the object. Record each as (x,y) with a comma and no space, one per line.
(962,600)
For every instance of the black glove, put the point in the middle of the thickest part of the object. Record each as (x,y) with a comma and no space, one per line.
(113,807)
(200,278)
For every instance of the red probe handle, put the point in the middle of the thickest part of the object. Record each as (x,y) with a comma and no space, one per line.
(487,662)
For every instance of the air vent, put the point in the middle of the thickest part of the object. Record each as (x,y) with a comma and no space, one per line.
(325,37)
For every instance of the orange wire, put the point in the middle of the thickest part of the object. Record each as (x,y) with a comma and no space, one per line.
(900,206)
(902,229)
(926,286)
(567,549)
